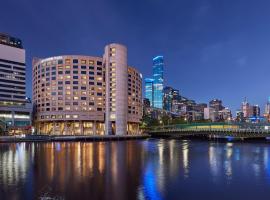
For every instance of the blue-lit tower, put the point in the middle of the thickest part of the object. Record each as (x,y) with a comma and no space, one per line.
(149,90)
(158,64)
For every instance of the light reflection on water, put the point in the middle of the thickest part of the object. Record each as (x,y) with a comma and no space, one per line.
(142,169)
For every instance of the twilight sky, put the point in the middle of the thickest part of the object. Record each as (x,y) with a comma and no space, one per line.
(212,48)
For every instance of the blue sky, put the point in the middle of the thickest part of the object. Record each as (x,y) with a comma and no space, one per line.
(212,48)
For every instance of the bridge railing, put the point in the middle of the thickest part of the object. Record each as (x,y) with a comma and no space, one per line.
(213,126)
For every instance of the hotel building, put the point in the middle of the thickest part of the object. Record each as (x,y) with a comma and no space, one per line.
(86,95)
(15,109)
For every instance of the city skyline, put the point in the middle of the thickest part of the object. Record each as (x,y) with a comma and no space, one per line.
(211,49)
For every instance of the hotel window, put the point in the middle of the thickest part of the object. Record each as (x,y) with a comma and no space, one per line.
(91,67)
(75,60)
(83,98)
(113,64)
(83,67)
(67,66)
(75,66)
(75,72)
(91,62)
(83,72)
(99,63)
(60,62)
(67,61)
(83,61)
(75,98)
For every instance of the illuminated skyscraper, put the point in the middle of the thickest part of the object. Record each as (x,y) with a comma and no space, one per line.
(149,90)
(158,65)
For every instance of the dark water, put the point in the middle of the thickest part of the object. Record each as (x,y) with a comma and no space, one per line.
(142,169)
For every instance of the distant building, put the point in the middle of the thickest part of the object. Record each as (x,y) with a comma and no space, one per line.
(225,114)
(215,110)
(216,104)
(158,67)
(245,108)
(256,111)
(171,97)
(149,90)
(15,108)
(146,106)
(267,110)
(251,113)
(209,114)
(239,116)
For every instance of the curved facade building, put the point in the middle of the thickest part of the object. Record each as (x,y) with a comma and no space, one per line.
(85,95)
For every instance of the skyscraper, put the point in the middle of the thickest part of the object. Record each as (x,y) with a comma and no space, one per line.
(158,65)
(245,108)
(15,109)
(149,90)
(170,95)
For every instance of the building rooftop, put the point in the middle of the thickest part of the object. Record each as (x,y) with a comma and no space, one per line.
(10,41)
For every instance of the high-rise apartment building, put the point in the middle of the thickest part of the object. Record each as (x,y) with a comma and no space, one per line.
(85,95)
(15,109)
(158,67)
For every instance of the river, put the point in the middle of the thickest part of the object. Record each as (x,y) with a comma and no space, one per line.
(136,169)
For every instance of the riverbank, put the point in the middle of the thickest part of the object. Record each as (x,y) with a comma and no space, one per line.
(66,138)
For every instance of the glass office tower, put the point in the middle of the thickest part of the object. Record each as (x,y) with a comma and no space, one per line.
(158,64)
(149,90)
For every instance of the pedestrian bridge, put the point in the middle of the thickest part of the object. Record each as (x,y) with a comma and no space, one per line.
(213,130)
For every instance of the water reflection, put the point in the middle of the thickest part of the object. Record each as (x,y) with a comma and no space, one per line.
(144,169)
